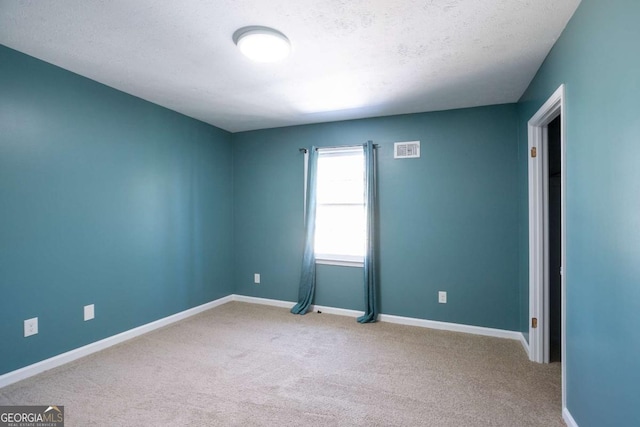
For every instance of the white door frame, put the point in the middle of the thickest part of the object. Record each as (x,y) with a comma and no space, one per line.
(538,230)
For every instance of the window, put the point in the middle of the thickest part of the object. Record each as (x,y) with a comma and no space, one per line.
(340,210)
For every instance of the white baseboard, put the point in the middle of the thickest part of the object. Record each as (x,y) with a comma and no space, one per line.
(337,311)
(69,356)
(566,415)
(525,344)
(454,327)
(263,301)
(61,359)
(423,323)
(289,304)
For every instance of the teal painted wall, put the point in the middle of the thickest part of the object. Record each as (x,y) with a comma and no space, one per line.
(598,59)
(105,199)
(448,221)
(523,224)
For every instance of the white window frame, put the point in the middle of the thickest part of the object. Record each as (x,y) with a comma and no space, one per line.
(339,259)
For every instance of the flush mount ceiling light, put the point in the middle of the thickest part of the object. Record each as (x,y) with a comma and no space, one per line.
(262,44)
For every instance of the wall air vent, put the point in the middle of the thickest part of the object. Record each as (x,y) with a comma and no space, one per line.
(406,150)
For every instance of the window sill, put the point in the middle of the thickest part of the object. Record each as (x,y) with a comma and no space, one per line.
(340,262)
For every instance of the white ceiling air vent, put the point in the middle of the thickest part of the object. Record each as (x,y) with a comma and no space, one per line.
(406,150)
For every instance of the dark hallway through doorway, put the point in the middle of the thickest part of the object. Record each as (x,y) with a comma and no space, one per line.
(555,240)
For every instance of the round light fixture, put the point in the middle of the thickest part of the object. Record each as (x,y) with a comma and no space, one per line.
(262,44)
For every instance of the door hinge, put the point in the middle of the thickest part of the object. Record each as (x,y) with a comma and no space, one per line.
(534,322)
(534,152)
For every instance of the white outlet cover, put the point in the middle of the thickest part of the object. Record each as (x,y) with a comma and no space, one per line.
(256,278)
(442,297)
(30,327)
(89,312)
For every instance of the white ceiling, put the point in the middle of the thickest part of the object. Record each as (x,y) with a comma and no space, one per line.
(350,59)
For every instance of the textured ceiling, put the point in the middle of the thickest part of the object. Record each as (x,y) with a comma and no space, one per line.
(350,59)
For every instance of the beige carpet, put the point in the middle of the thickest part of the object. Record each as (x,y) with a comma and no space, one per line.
(243,364)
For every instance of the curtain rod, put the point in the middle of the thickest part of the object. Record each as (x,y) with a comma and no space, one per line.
(304,150)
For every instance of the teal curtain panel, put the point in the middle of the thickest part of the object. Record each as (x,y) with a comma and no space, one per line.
(307,285)
(370,262)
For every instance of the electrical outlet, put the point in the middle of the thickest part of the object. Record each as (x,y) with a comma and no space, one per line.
(256,278)
(30,327)
(89,312)
(442,297)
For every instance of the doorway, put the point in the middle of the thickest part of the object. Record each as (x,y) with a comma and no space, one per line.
(554,233)
(547,231)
